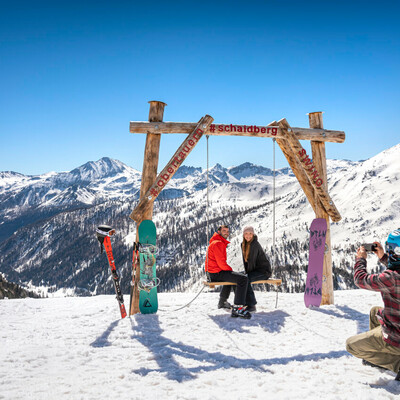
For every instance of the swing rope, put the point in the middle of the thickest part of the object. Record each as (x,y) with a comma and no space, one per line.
(273,216)
(207,213)
(208,198)
(207,234)
(207,219)
(273,208)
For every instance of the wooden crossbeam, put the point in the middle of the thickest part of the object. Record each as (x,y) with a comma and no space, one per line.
(212,285)
(322,135)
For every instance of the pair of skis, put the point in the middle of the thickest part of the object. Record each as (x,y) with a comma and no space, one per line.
(104,233)
(144,277)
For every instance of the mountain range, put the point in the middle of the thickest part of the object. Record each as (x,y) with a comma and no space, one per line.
(47,240)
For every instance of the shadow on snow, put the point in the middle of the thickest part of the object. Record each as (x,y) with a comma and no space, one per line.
(102,341)
(271,322)
(167,352)
(348,313)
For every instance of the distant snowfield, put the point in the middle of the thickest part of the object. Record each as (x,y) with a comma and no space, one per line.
(79,348)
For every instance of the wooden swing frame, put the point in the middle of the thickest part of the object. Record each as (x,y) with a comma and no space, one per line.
(310,172)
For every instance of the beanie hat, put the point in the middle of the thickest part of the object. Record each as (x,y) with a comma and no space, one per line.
(248,229)
(393,249)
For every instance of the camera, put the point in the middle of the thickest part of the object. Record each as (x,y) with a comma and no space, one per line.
(369,247)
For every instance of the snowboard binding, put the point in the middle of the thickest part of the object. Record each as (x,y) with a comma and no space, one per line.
(147,248)
(148,284)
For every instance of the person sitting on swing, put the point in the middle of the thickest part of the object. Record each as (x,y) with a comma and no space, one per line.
(256,264)
(219,271)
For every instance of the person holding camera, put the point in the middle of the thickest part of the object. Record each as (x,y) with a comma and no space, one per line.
(380,346)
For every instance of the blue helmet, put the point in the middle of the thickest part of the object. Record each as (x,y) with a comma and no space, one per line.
(392,247)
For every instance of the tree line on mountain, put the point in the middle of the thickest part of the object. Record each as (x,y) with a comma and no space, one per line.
(10,290)
(62,251)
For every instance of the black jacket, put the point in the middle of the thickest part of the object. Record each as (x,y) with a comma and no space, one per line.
(257,260)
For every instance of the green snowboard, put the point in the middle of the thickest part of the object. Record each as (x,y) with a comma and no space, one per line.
(148,303)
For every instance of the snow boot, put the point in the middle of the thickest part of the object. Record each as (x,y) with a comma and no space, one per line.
(251,308)
(369,364)
(224,304)
(240,311)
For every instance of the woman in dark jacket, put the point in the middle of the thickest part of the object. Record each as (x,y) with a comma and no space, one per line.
(255,262)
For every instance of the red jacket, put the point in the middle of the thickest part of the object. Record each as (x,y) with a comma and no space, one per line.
(216,260)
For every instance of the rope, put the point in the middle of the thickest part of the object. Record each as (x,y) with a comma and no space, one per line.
(188,304)
(273,208)
(207,234)
(207,213)
(273,216)
(208,198)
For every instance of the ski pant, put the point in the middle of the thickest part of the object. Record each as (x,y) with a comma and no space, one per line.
(234,277)
(371,347)
(252,277)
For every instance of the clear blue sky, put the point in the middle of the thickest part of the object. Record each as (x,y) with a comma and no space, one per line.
(74,73)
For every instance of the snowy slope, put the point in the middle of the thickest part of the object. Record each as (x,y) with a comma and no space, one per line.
(78,348)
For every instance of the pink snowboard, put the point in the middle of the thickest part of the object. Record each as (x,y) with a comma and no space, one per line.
(313,291)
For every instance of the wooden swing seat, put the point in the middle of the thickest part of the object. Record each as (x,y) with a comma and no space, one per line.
(275,282)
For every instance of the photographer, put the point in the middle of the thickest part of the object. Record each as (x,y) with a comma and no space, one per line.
(380,346)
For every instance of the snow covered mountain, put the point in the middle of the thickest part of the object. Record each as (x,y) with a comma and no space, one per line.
(47,222)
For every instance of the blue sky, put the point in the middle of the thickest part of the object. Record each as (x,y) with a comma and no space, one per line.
(73,74)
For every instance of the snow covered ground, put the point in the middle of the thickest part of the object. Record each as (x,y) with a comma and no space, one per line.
(79,348)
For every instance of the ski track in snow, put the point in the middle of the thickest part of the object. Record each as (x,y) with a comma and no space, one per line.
(78,348)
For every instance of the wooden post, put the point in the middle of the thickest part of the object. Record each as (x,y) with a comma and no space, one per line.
(319,160)
(149,174)
(151,152)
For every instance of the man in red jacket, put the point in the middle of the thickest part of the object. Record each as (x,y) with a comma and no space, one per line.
(219,271)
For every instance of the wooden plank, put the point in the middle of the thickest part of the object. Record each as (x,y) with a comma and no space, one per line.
(269,281)
(315,178)
(319,160)
(275,282)
(170,169)
(322,135)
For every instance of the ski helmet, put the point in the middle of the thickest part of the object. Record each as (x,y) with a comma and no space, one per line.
(392,247)
(105,230)
(101,232)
